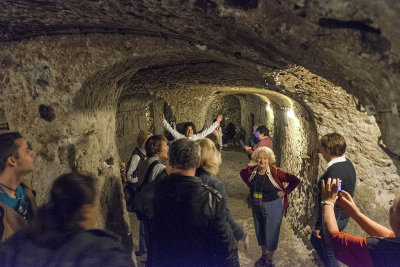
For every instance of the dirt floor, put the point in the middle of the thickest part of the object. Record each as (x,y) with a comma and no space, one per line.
(291,250)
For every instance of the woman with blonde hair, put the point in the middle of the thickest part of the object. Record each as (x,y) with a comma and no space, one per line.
(269,198)
(210,161)
(210,157)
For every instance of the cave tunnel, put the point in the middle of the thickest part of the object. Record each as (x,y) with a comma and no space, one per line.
(81,89)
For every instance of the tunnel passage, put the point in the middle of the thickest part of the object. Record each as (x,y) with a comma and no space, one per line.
(293,133)
(83,134)
(190,85)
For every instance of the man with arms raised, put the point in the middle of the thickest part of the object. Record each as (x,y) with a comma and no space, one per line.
(17,201)
(190,130)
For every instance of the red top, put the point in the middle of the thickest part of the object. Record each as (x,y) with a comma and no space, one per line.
(280,176)
(266,142)
(351,249)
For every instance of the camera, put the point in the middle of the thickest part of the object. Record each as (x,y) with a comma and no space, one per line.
(340,186)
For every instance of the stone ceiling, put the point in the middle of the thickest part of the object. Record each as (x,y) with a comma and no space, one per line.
(355,44)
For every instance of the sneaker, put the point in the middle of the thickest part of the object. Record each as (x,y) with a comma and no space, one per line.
(261,262)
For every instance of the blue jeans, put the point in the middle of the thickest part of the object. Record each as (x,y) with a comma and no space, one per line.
(324,251)
(267,223)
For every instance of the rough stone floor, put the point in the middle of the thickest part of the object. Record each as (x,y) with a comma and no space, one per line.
(291,250)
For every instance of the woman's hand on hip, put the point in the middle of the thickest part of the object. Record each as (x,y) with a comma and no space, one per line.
(281,194)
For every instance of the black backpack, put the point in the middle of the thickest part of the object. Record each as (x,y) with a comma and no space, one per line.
(131,189)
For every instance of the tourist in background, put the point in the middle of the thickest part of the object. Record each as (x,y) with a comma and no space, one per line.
(129,174)
(190,132)
(132,181)
(269,200)
(149,170)
(216,137)
(265,140)
(255,138)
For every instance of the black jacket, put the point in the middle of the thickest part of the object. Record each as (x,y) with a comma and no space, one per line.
(187,224)
(82,248)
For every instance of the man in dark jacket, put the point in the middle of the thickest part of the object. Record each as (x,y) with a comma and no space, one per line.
(187,220)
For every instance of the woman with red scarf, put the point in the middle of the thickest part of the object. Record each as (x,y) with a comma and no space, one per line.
(269,200)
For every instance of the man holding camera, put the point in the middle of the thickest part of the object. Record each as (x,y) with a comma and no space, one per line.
(332,148)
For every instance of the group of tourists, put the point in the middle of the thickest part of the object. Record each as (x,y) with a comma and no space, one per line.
(182,207)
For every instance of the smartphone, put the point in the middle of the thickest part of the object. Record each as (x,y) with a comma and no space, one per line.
(340,186)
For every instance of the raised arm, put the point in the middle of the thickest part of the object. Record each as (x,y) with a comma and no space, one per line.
(174,133)
(371,227)
(210,129)
(328,197)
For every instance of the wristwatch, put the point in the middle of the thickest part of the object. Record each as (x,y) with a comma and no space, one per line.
(326,202)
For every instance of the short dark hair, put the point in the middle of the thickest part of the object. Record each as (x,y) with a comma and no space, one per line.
(184,154)
(187,124)
(334,143)
(8,148)
(153,145)
(68,194)
(263,130)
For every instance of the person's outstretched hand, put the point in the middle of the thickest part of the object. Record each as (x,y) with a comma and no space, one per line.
(219,118)
(162,116)
(346,202)
(329,191)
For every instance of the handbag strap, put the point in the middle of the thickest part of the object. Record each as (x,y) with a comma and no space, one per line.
(148,172)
